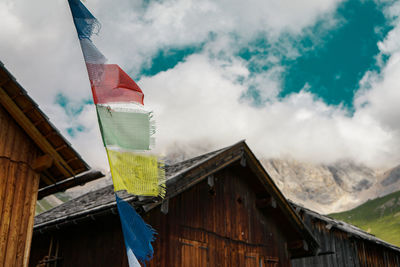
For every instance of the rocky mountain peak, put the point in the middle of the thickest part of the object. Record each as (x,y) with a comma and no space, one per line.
(330,187)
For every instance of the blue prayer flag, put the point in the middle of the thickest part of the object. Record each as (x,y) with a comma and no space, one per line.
(138,235)
(86,24)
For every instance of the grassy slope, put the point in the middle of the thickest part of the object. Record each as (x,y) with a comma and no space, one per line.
(44,204)
(380,216)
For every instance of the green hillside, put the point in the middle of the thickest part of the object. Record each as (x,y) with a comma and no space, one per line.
(380,217)
(50,202)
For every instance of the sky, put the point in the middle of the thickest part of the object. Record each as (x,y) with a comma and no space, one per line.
(313,80)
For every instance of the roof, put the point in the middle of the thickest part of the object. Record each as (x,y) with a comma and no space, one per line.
(64,161)
(104,198)
(180,177)
(352,230)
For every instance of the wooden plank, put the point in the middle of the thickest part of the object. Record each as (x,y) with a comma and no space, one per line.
(25,218)
(4,122)
(16,215)
(296,244)
(356,258)
(15,144)
(34,133)
(48,180)
(338,250)
(42,163)
(7,208)
(78,180)
(4,166)
(332,238)
(35,187)
(4,81)
(266,180)
(9,141)
(22,150)
(346,250)
(327,247)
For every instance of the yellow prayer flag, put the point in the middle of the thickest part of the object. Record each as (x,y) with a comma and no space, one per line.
(136,173)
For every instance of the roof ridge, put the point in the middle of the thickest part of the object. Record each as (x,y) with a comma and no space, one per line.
(203,155)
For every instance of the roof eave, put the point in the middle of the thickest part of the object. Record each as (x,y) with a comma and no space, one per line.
(256,166)
(201,170)
(7,100)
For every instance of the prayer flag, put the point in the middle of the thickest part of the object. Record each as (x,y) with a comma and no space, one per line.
(127,130)
(111,84)
(126,127)
(137,234)
(146,176)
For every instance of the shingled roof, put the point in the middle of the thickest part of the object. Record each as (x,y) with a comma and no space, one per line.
(350,229)
(104,198)
(180,177)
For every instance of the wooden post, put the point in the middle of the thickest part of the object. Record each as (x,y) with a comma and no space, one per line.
(17,217)
(19,184)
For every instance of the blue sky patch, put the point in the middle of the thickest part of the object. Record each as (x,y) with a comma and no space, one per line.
(333,68)
(168,58)
(72,131)
(72,110)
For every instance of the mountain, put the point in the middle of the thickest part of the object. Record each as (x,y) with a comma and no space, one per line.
(380,216)
(329,188)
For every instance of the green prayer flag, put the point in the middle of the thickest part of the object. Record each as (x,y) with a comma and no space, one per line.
(127,130)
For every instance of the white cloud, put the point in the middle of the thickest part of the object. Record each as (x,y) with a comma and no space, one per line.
(141,31)
(378,98)
(199,101)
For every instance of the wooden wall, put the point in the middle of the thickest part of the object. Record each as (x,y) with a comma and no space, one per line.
(92,243)
(18,192)
(219,226)
(370,254)
(341,249)
(204,226)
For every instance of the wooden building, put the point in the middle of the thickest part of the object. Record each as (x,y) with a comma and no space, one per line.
(221,209)
(34,157)
(342,244)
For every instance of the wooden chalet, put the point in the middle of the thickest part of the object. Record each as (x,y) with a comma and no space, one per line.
(343,244)
(221,209)
(34,159)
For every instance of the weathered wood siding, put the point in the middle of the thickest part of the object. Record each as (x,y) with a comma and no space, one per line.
(339,249)
(92,243)
(373,255)
(204,226)
(18,192)
(218,226)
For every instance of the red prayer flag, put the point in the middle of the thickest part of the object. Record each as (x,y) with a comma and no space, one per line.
(111,84)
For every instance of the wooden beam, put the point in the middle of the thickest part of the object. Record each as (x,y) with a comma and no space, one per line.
(68,183)
(34,133)
(42,163)
(4,81)
(39,122)
(47,180)
(267,202)
(61,147)
(28,240)
(270,186)
(296,244)
(164,206)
